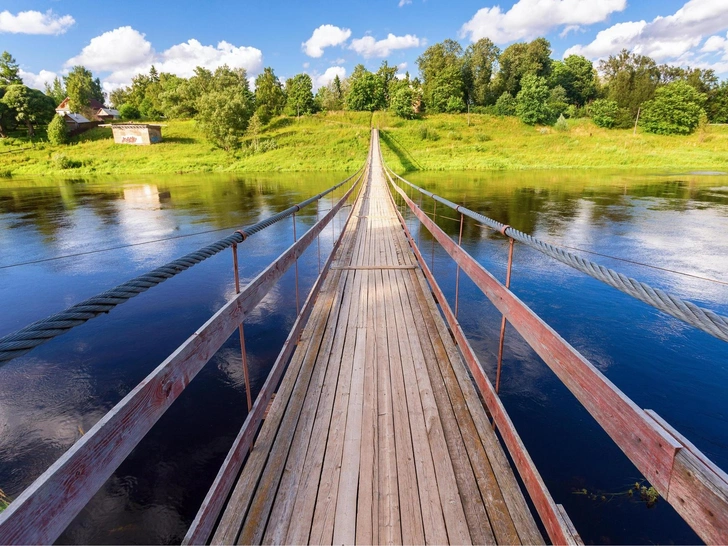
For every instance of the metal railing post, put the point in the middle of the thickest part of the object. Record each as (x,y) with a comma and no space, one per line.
(434,219)
(295,238)
(244,354)
(503,320)
(457,273)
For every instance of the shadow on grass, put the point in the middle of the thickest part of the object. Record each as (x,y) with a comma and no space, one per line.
(179,140)
(405,158)
(279,123)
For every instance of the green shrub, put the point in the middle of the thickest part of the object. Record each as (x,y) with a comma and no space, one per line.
(455,105)
(505,105)
(62,162)
(561,124)
(57,131)
(531,102)
(401,102)
(129,111)
(482,137)
(425,133)
(675,110)
(6,173)
(604,113)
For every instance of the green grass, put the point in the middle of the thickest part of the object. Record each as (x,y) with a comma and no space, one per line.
(338,141)
(446,143)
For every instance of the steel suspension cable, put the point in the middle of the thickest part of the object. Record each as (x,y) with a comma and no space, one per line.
(704,319)
(39,332)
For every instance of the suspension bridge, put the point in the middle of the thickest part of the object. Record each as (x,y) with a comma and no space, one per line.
(377,423)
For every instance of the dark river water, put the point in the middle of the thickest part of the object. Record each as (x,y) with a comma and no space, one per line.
(51,396)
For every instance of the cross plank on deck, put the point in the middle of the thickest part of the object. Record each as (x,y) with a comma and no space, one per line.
(376,434)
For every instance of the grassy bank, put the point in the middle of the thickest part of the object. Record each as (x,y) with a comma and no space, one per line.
(446,142)
(337,141)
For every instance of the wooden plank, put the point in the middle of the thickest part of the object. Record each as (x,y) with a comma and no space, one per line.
(300,526)
(322,528)
(450,501)
(426,488)
(390,531)
(648,447)
(282,508)
(375,267)
(476,482)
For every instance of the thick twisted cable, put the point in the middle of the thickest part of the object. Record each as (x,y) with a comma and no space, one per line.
(706,320)
(23,340)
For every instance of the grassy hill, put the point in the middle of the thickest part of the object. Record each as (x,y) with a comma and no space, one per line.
(338,141)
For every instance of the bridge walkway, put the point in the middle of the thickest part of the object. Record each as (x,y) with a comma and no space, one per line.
(376,434)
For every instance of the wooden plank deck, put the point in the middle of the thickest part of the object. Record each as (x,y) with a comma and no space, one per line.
(376,434)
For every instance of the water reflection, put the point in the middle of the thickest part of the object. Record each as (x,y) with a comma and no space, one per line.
(52,396)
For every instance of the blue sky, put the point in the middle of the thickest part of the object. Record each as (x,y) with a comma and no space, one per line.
(325,38)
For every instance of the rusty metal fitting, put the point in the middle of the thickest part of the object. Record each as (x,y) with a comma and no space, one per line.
(503,230)
(243,234)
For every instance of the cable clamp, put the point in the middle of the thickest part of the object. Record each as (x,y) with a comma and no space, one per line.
(243,234)
(503,229)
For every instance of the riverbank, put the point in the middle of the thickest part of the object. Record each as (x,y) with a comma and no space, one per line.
(337,141)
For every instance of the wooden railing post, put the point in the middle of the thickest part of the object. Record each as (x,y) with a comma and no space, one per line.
(243,352)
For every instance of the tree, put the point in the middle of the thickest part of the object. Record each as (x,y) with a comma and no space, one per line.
(269,96)
(402,102)
(521,59)
(631,79)
(479,64)
(505,105)
(718,104)
(299,95)
(57,131)
(387,79)
(81,88)
(675,110)
(9,70)
(366,91)
(57,92)
(441,67)
(604,113)
(558,101)
(255,126)
(224,110)
(531,104)
(576,74)
(30,105)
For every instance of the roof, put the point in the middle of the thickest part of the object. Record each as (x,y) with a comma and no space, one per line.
(78,118)
(108,112)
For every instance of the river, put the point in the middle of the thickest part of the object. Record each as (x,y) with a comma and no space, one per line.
(62,241)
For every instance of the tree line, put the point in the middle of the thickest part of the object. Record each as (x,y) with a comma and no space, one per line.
(521,80)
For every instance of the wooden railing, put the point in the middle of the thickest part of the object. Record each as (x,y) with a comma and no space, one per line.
(684,477)
(44,510)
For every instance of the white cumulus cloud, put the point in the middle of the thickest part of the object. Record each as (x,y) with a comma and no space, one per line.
(531,18)
(670,37)
(39,80)
(327,77)
(35,22)
(323,37)
(368,47)
(125,52)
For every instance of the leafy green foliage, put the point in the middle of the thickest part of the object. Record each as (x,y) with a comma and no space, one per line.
(505,105)
(366,91)
(223,112)
(269,96)
(402,103)
(604,112)
(300,95)
(631,79)
(577,76)
(30,106)
(56,91)
(531,101)
(57,131)
(446,91)
(479,64)
(558,101)
(9,70)
(81,87)
(129,111)
(561,124)
(521,59)
(441,66)
(675,110)
(718,104)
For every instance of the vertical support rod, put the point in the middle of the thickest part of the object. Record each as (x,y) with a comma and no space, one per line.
(457,273)
(503,320)
(244,353)
(434,219)
(295,238)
